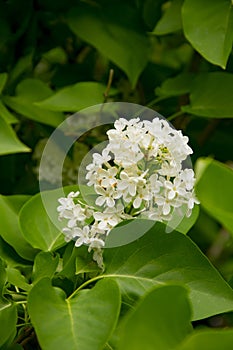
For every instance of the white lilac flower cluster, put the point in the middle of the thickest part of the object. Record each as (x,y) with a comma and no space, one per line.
(138,173)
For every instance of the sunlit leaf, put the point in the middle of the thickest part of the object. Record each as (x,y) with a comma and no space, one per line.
(215,190)
(171,20)
(28,92)
(209,28)
(75,97)
(9,142)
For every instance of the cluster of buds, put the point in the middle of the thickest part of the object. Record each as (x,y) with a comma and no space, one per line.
(139,173)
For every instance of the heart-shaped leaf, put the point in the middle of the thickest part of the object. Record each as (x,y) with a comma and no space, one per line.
(84,321)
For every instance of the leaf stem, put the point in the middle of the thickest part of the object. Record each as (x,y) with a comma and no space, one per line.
(173,116)
(156,100)
(84,285)
(110,79)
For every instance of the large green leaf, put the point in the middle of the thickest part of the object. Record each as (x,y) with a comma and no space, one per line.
(36,226)
(171,20)
(28,92)
(6,114)
(213,339)
(9,143)
(211,96)
(160,321)
(115,31)
(84,321)
(75,97)
(158,258)
(9,225)
(128,231)
(8,312)
(39,219)
(179,85)
(209,28)
(215,190)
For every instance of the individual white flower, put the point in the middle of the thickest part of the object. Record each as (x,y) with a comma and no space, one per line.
(68,233)
(107,178)
(107,220)
(106,196)
(155,183)
(174,189)
(187,176)
(67,204)
(143,194)
(165,204)
(83,236)
(76,214)
(100,159)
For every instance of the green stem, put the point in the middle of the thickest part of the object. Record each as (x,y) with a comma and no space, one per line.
(21,302)
(173,116)
(156,100)
(84,285)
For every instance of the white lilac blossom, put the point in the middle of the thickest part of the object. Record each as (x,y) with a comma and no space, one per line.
(140,172)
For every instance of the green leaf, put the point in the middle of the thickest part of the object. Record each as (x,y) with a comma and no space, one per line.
(209,28)
(213,339)
(115,31)
(84,321)
(3,80)
(39,222)
(8,312)
(17,279)
(9,255)
(182,223)
(28,92)
(75,97)
(6,115)
(158,258)
(211,96)
(216,199)
(36,226)
(8,319)
(128,231)
(9,143)
(160,321)
(171,20)
(45,265)
(9,225)
(85,265)
(179,85)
